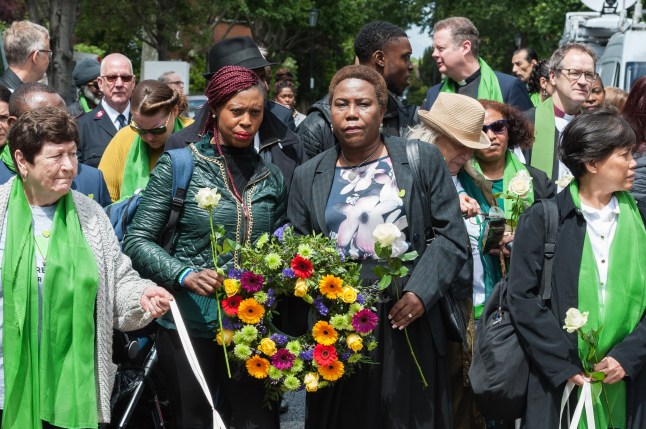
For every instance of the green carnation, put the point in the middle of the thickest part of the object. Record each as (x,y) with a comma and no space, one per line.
(273,261)
(305,250)
(242,351)
(372,345)
(339,321)
(354,307)
(294,347)
(354,358)
(297,366)
(261,297)
(274,373)
(238,338)
(249,333)
(291,382)
(262,240)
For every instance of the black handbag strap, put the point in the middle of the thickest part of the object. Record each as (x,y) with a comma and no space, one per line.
(551,221)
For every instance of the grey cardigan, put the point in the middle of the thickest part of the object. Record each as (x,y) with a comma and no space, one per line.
(118,295)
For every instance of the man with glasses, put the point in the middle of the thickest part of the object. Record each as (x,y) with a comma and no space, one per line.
(173,80)
(98,126)
(26,47)
(572,73)
(89,95)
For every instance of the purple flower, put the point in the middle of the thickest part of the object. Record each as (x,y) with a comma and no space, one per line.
(360,299)
(279,339)
(320,307)
(280,231)
(251,282)
(289,273)
(271,298)
(341,253)
(262,329)
(307,354)
(230,324)
(345,356)
(234,273)
(283,359)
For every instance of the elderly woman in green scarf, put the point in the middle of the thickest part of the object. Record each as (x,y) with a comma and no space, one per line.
(133,152)
(64,285)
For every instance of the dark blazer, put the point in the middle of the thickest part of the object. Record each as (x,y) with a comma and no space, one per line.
(551,351)
(439,263)
(514,92)
(10,80)
(95,132)
(278,144)
(88,181)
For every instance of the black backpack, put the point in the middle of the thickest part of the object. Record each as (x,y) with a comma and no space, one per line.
(499,371)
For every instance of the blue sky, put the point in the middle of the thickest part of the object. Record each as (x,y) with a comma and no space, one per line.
(418,41)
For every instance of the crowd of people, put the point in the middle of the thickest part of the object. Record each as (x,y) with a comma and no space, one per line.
(339,170)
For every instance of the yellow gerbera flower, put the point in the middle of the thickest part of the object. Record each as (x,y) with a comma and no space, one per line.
(250,311)
(331,286)
(324,333)
(333,371)
(257,366)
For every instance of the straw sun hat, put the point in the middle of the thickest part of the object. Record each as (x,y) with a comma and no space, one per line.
(458,117)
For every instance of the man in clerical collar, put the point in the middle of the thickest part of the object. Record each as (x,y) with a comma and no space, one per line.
(455,42)
(572,73)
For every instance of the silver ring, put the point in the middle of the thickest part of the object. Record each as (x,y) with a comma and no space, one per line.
(410,316)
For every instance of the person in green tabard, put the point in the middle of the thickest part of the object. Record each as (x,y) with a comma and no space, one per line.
(599,268)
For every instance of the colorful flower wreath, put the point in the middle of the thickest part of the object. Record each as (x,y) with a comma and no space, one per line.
(312,268)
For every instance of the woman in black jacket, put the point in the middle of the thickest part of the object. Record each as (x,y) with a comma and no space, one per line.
(599,263)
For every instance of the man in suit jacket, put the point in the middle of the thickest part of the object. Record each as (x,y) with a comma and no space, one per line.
(98,126)
(88,180)
(455,49)
(26,47)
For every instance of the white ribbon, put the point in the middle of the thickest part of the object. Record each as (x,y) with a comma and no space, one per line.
(585,401)
(195,365)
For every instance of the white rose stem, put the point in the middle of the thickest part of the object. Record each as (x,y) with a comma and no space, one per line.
(585,400)
(195,365)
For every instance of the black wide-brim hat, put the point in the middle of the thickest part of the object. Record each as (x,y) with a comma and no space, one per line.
(235,51)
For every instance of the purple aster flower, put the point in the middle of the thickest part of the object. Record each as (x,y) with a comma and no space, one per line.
(345,356)
(307,354)
(320,307)
(279,339)
(283,359)
(234,273)
(230,324)
(341,253)
(271,298)
(251,282)
(262,329)
(360,299)
(289,273)
(280,231)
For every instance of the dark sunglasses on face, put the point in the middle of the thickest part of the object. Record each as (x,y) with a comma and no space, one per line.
(124,77)
(156,131)
(497,127)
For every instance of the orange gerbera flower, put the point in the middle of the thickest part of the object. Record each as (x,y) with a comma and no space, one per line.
(333,371)
(324,333)
(250,311)
(257,366)
(331,286)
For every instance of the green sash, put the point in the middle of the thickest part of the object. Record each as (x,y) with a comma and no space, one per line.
(625,296)
(83,103)
(137,171)
(52,380)
(545,127)
(5,156)
(536,98)
(488,89)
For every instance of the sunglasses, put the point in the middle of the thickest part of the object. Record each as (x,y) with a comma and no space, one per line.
(155,131)
(124,77)
(497,127)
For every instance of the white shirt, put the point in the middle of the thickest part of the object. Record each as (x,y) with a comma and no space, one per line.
(560,124)
(601,227)
(113,114)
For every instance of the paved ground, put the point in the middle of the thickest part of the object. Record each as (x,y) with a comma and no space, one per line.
(295,417)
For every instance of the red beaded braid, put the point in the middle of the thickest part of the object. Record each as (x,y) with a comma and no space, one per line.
(224,84)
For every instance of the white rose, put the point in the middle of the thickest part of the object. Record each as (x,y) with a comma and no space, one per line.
(564,181)
(520,184)
(207,198)
(399,247)
(574,320)
(386,233)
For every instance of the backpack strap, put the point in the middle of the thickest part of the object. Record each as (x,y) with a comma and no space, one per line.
(182,168)
(550,220)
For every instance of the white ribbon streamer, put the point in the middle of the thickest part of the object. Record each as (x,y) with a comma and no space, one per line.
(195,365)
(585,401)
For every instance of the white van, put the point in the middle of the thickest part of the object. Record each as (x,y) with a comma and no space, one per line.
(624,59)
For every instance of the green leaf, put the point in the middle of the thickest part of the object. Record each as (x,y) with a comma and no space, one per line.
(384,282)
(402,271)
(396,264)
(409,256)
(381,271)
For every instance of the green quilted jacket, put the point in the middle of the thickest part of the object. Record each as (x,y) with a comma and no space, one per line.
(265,195)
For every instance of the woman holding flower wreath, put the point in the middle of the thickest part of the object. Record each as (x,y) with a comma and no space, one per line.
(599,268)
(345,193)
(252,202)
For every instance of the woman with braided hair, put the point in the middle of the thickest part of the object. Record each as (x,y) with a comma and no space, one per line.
(285,93)
(253,202)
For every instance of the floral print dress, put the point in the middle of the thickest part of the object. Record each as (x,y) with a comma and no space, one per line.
(362,198)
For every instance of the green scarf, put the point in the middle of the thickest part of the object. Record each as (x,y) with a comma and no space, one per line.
(625,295)
(83,103)
(137,171)
(488,89)
(51,380)
(5,156)
(543,149)
(536,98)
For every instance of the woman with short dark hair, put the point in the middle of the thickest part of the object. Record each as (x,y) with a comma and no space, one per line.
(599,261)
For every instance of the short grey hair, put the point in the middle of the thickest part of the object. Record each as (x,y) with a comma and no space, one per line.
(424,133)
(556,61)
(461,29)
(164,77)
(21,39)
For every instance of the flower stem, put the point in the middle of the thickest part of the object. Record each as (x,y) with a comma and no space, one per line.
(596,359)
(214,256)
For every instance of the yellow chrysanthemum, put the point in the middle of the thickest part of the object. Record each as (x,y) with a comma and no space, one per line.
(331,286)
(324,333)
(250,311)
(333,371)
(257,366)
(355,342)
(267,346)
(231,286)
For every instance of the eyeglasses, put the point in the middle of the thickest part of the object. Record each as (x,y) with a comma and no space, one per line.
(4,118)
(494,214)
(497,127)
(156,131)
(574,74)
(113,77)
(47,51)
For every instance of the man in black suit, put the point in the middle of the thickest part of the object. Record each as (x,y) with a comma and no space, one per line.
(455,49)
(275,142)
(98,126)
(26,46)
